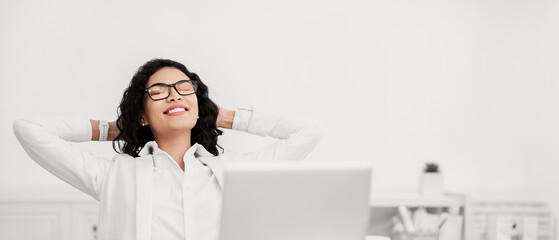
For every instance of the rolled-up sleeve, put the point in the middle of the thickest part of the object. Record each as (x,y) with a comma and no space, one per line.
(48,141)
(297,136)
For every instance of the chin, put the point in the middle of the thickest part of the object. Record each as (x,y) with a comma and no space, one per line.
(182,126)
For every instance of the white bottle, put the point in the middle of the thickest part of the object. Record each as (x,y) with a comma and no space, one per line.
(499,227)
(405,215)
(419,219)
(452,227)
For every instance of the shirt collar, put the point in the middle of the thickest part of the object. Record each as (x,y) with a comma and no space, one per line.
(152,148)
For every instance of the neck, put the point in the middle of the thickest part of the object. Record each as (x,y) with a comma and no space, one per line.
(175,145)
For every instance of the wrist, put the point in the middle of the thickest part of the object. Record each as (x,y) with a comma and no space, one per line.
(113,131)
(94,130)
(103,130)
(226,119)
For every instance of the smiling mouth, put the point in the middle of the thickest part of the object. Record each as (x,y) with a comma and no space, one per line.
(175,110)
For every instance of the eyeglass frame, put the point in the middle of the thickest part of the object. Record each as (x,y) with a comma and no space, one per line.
(174,85)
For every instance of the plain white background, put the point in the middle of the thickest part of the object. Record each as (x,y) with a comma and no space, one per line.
(471,84)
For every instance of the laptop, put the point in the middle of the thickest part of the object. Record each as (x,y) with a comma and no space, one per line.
(296,201)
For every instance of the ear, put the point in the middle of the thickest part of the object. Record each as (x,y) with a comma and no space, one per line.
(143,120)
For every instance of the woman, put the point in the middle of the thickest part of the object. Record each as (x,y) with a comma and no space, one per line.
(166,183)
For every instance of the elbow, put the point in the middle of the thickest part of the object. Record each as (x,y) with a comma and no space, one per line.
(23,129)
(307,139)
(19,127)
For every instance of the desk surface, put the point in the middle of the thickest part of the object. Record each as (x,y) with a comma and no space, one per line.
(394,199)
(378,199)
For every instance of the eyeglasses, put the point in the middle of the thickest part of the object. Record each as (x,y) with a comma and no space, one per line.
(160,91)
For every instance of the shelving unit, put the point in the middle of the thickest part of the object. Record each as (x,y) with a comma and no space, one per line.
(384,203)
(482,210)
(476,211)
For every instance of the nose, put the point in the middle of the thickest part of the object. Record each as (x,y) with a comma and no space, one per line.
(173,95)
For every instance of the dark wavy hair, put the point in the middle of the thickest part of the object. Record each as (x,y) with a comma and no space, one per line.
(133,136)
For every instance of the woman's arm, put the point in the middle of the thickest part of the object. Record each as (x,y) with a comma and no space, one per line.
(297,136)
(49,142)
(225,118)
(113,130)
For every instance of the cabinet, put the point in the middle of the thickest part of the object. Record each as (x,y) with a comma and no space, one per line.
(48,215)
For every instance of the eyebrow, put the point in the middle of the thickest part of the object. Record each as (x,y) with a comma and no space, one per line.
(161,83)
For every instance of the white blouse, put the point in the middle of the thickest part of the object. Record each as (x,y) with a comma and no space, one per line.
(179,196)
(150,197)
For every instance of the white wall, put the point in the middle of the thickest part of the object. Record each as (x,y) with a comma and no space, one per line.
(470,84)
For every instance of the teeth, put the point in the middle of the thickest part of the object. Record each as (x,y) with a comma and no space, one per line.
(174,110)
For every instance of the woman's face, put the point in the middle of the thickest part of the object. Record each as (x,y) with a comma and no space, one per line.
(157,115)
